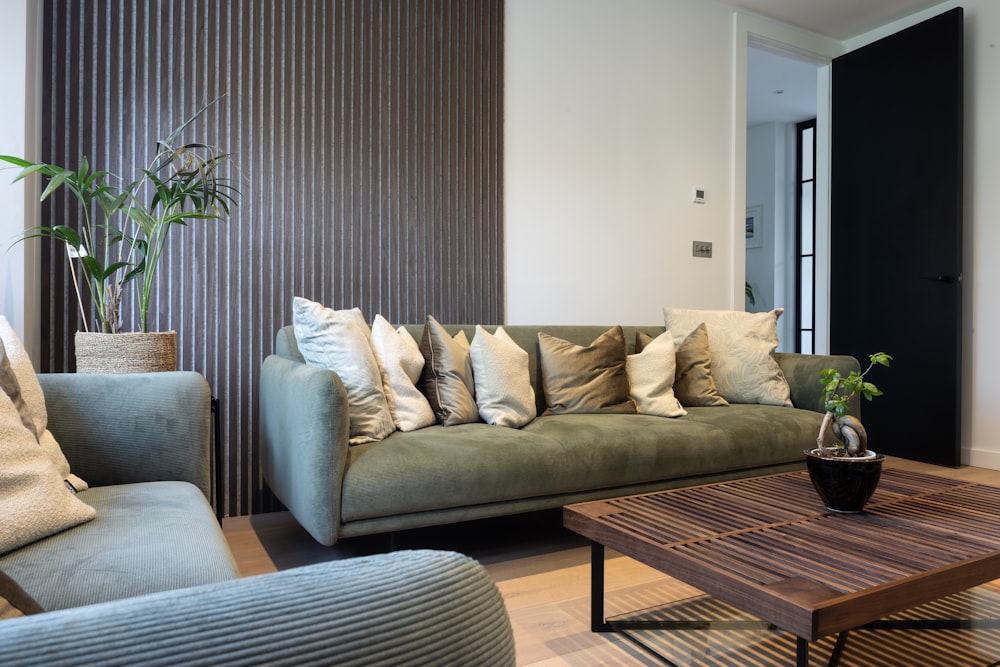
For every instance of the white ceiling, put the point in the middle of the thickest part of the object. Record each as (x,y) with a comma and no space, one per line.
(768,72)
(840,19)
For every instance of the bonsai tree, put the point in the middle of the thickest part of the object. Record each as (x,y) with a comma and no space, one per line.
(852,439)
(181,183)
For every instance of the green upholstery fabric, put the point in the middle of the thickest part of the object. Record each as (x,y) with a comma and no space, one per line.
(445,474)
(403,608)
(124,428)
(146,537)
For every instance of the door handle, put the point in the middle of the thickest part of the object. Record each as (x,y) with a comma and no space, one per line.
(947,279)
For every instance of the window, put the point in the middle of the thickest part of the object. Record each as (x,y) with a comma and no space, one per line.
(805,225)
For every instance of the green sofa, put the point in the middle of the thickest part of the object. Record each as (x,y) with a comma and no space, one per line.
(440,474)
(151,579)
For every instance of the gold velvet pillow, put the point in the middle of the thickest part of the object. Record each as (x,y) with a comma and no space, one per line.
(585,379)
(694,385)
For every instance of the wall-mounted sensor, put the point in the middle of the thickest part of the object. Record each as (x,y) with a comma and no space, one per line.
(698,196)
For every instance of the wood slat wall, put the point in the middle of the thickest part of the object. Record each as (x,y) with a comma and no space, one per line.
(368,139)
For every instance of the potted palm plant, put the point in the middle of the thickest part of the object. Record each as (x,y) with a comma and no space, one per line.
(845,473)
(121,237)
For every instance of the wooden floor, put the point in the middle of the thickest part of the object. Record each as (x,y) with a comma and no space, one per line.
(542,570)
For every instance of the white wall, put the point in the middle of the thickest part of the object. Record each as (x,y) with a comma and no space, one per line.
(15,302)
(981,355)
(765,188)
(614,112)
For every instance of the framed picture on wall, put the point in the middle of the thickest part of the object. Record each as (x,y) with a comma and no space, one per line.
(755,226)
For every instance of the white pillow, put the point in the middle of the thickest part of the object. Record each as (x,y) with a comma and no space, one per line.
(35,499)
(742,346)
(651,378)
(400,361)
(504,394)
(34,400)
(340,340)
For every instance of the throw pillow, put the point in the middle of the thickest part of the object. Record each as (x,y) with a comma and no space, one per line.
(651,376)
(30,400)
(401,363)
(35,500)
(14,602)
(585,379)
(742,346)
(503,383)
(693,382)
(340,340)
(447,377)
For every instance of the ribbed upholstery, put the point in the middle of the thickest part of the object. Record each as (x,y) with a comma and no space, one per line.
(403,608)
(146,537)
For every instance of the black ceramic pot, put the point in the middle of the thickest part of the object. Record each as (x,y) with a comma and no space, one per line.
(844,484)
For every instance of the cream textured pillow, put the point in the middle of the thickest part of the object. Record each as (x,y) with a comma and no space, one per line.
(32,399)
(585,379)
(401,363)
(651,376)
(340,340)
(447,377)
(742,346)
(693,383)
(35,499)
(503,382)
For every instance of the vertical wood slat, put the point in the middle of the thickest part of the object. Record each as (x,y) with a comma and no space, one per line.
(368,139)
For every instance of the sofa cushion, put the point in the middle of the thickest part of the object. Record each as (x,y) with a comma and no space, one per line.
(401,363)
(35,499)
(503,384)
(340,340)
(742,346)
(437,467)
(32,401)
(694,385)
(146,537)
(447,377)
(14,602)
(651,376)
(581,379)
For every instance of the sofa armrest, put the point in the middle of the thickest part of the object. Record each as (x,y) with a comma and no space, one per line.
(304,433)
(126,428)
(406,607)
(802,373)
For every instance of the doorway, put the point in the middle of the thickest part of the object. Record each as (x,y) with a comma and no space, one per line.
(782,93)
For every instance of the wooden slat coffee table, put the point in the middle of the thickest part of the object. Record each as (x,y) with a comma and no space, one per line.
(767,546)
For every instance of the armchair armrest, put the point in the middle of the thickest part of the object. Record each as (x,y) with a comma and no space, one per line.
(304,432)
(802,373)
(406,607)
(133,427)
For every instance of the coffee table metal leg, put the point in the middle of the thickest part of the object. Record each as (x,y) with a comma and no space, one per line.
(597,621)
(801,652)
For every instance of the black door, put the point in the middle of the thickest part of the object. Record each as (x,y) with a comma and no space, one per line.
(896,232)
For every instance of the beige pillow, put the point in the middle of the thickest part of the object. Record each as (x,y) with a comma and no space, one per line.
(504,393)
(401,363)
(693,382)
(340,340)
(30,401)
(447,380)
(651,376)
(585,379)
(35,499)
(742,346)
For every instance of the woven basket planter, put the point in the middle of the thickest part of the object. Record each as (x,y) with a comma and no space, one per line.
(126,352)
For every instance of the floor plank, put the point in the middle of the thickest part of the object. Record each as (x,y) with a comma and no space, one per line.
(541,569)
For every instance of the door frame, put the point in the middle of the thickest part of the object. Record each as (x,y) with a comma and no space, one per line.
(765,33)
